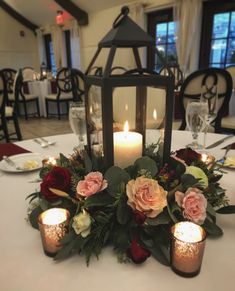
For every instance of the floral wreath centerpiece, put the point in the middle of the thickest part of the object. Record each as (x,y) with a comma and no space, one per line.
(131,209)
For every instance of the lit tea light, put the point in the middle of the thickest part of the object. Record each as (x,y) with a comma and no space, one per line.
(187,248)
(127,147)
(51,161)
(53,225)
(207,159)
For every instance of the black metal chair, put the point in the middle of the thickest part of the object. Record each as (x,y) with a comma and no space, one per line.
(77,85)
(9,79)
(23,97)
(64,85)
(7,113)
(176,72)
(205,79)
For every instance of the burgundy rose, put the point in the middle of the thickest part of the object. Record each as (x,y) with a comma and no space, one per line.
(139,217)
(188,155)
(58,178)
(137,253)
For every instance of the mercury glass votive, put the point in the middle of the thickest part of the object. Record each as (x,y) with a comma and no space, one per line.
(207,159)
(187,248)
(53,225)
(51,161)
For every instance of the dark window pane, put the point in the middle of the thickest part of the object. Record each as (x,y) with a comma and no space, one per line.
(171,32)
(218,50)
(171,54)
(232,25)
(220,25)
(52,56)
(231,51)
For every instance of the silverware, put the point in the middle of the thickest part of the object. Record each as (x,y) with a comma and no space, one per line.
(215,144)
(47,141)
(12,163)
(222,161)
(42,144)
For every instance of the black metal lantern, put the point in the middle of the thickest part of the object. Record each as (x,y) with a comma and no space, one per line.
(127,94)
(43,71)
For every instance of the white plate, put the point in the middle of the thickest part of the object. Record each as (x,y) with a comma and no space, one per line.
(230,162)
(20,160)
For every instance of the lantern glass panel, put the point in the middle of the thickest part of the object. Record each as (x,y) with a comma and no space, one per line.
(95,122)
(124,107)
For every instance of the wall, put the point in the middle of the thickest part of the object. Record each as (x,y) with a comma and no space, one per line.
(100,23)
(16,51)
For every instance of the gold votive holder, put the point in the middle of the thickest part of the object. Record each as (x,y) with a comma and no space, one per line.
(187,247)
(207,159)
(53,225)
(50,161)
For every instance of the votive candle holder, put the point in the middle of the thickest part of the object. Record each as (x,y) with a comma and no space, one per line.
(53,225)
(187,247)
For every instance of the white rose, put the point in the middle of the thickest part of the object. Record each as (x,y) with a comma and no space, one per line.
(82,224)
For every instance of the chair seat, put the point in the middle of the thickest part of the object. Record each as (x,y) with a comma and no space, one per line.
(228,122)
(29,97)
(8,111)
(62,97)
(11,97)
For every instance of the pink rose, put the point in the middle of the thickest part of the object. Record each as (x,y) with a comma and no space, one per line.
(194,204)
(146,195)
(92,184)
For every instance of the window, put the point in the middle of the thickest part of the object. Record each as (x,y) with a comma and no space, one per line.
(162,28)
(68,48)
(218,35)
(50,54)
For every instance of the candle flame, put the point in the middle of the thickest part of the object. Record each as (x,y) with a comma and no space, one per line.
(91,111)
(52,161)
(204,157)
(126,107)
(155,114)
(54,216)
(126,126)
(188,232)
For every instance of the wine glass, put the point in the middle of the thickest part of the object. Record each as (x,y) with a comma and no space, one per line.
(77,120)
(210,98)
(196,114)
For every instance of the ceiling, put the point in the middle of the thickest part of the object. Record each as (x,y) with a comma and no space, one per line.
(42,12)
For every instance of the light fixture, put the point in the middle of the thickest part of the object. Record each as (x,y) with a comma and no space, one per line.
(60,18)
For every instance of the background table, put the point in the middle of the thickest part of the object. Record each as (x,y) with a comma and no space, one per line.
(23,266)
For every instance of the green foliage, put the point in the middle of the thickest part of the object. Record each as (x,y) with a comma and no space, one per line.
(102,199)
(147,164)
(230,209)
(116,176)
(33,216)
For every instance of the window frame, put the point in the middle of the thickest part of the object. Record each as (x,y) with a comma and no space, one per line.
(67,35)
(209,10)
(47,40)
(159,16)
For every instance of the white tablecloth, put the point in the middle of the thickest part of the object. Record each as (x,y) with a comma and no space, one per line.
(40,89)
(24,267)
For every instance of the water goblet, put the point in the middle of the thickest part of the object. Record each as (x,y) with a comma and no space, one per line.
(77,120)
(196,114)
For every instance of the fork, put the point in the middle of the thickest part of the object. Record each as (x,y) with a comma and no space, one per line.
(11,163)
(42,144)
(47,141)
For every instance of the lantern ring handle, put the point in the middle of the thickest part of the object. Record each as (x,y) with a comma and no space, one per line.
(124,12)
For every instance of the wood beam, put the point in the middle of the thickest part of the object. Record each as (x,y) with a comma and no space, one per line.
(80,15)
(17,16)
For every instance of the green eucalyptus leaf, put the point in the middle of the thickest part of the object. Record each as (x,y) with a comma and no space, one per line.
(212,229)
(64,161)
(230,209)
(87,162)
(115,176)
(33,217)
(162,218)
(98,200)
(160,253)
(146,163)
(123,211)
(210,209)
(66,250)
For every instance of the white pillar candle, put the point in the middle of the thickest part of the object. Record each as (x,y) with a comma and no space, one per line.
(127,147)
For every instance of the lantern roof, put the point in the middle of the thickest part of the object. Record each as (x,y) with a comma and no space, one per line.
(126,33)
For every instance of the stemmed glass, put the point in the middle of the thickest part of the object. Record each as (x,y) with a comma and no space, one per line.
(196,114)
(210,98)
(77,120)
